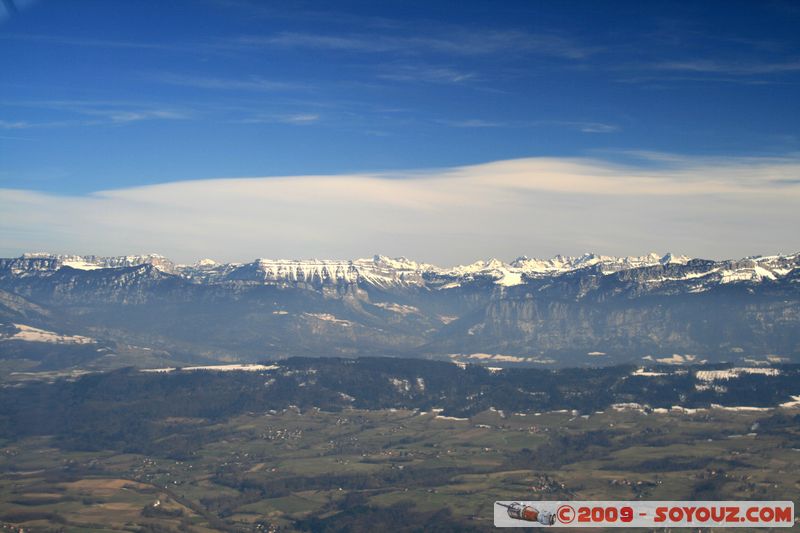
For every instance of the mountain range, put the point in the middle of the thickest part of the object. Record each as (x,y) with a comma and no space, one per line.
(584,310)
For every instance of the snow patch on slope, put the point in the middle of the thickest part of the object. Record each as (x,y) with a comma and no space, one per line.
(31,334)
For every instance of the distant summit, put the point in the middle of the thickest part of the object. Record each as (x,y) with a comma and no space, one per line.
(385,271)
(584,310)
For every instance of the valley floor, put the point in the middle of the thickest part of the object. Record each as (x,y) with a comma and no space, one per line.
(398,470)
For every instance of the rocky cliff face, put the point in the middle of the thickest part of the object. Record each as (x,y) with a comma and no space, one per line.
(571,310)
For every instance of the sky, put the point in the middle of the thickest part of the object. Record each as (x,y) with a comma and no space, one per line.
(442,131)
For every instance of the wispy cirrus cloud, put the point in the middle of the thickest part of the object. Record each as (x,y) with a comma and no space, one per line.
(702,206)
(300,118)
(426,74)
(121,116)
(294,119)
(472,123)
(458,41)
(444,40)
(730,68)
(582,126)
(97,113)
(62,40)
(14,124)
(251,83)
(590,127)
(750,71)
(30,125)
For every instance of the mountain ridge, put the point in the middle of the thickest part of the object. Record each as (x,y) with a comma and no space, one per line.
(382,270)
(585,310)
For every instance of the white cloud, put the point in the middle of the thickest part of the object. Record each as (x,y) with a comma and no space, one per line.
(539,206)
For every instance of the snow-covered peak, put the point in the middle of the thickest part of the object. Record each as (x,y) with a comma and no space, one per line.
(94,262)
(397,263)
(379,270)
(384,271)
(478,267)
(38,255)
(81,264)
(501,273)
(671,259)
(562,264)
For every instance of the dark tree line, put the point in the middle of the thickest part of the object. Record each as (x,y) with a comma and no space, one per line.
(132,411)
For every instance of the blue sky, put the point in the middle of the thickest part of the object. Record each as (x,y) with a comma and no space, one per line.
(99,95)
